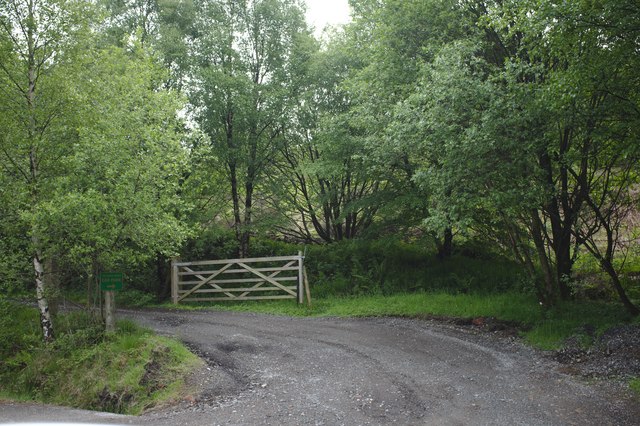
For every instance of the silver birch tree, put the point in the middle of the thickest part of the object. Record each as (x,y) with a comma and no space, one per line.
(35,38)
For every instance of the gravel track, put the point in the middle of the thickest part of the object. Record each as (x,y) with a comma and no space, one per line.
(271,370)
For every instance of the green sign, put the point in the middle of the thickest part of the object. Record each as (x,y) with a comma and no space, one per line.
(111,281)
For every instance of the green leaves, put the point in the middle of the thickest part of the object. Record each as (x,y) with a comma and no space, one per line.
(92,143)
(245,59)
(122,201)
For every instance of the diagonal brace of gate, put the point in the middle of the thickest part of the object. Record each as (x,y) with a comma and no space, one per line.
(266,278)
(272,275)
(206,280)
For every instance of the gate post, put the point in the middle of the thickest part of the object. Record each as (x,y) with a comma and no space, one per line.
(300,278)
(174,281)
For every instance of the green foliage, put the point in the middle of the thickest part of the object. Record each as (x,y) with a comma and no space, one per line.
(508,307)
(323,175)
(90,157)
(119,207)
(212,243)
(499,131)
(14,250)
(390,266)
(134,298)
(126,372)
(245,58)
(634,385)
(42,47)
(570,318)
(19,333)
(591,282)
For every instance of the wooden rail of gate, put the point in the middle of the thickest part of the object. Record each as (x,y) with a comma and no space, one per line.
(263,278)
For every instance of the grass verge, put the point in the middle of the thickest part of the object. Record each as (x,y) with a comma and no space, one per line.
(126,372)
(634,385)
(542,328)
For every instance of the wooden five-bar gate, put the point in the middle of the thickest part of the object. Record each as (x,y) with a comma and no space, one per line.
(263,278)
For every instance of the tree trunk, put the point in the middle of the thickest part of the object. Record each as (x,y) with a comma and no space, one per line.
(606,260)
(561,246)
(235,196)
(548,296)
(243,250)
(43,305)
(53,286)
(163,274)
(109,311)
(615,279)
(38,267)
(561,227)
(445,246)
(522,253)
(564,264)
(245,237)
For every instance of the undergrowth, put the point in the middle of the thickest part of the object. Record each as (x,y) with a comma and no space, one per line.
(124,372)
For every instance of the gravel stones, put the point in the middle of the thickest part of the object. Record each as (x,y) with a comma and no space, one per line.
(614,355)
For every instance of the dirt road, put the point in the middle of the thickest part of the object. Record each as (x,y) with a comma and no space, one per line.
(268,370)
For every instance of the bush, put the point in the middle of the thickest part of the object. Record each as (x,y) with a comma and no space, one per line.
(390,266)
(212,244)
(18,330)
(134,298)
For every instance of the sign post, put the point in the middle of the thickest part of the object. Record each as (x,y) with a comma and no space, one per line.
(109,283)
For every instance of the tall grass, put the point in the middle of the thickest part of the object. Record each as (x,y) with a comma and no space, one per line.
(125,372)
